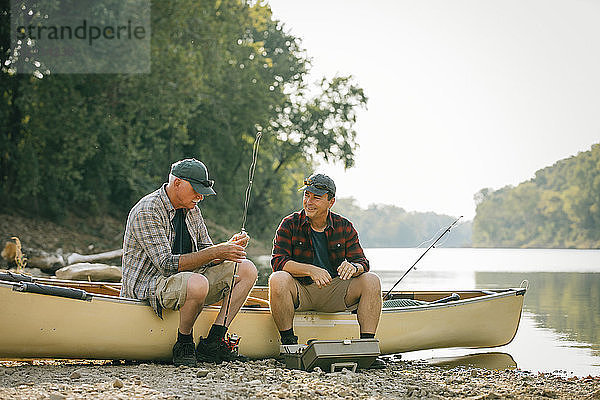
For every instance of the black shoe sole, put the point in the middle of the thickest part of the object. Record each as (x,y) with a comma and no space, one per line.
(188,363)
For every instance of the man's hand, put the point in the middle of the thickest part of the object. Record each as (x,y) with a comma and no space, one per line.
(346,270)
(319,276)
(230,251)
(241,239)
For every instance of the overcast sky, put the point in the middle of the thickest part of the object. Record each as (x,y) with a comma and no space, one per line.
(462,94)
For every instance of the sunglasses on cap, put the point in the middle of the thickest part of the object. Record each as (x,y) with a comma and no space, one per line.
(308,182)
(206,182)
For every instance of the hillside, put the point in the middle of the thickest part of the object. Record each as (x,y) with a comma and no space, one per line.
(558,208)
(390,226)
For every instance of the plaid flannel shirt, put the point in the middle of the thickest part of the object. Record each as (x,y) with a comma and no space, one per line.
(293,241)
(148,241)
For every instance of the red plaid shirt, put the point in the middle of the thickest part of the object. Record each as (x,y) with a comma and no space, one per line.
(293,242)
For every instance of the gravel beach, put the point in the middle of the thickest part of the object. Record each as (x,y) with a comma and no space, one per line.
(269,379)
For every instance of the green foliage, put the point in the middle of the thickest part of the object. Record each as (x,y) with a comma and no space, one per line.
(390,226)
(222,70)
(559,208)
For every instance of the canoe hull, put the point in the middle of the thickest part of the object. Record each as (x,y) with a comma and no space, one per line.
(43,326)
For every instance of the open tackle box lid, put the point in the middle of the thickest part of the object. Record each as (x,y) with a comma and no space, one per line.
(332,355)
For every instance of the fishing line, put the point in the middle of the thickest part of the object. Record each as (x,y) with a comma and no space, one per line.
(431,239)
(245,215)
(443,241)
(422,255)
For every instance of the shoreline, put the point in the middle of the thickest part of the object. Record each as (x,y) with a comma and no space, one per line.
(269,379)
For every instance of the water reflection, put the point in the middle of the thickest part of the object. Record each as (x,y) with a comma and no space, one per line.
(492,360)
(567,302)
(559,326)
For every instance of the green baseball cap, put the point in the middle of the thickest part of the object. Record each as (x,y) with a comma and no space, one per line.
(195,173)
(319,184)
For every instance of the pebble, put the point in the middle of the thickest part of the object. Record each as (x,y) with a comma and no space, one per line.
(75,375)
(267,379)
(219,375)
(202,373)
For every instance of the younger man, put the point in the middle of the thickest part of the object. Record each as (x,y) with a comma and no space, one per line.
(318,264)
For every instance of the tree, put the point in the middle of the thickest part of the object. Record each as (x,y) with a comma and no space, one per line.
(222,70)
(558,208)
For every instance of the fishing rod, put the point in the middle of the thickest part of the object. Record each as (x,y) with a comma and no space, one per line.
(422,255)
(245,215)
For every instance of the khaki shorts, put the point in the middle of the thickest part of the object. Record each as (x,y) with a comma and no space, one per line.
(329,298)
(171,290)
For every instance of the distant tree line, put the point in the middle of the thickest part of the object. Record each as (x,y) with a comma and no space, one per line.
(222,70)
(391,226)
(558,208)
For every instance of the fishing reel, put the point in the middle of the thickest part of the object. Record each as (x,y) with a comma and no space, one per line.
(232,341)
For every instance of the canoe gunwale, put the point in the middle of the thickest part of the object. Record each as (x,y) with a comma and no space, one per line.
(456,303)
(91,296)
(487,296)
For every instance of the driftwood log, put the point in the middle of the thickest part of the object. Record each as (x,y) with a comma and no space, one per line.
(109,255)
(90,272)
(50,263)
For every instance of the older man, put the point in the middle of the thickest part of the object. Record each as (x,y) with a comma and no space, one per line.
(318,264)
(170,260)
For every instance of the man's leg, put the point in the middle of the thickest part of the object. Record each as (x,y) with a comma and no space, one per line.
(197,289)
(246,279)
(214,348)
(366,289)
(282,297)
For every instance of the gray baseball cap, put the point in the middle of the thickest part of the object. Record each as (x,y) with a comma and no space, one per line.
(195,173)
(319,184)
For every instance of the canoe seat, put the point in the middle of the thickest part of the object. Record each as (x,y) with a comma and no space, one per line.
(403,303)
(393,303)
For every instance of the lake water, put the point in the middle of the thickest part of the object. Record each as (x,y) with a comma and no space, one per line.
(560,325)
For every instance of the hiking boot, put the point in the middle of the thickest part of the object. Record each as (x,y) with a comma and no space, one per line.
(218,351)
(291,339)
(184,354)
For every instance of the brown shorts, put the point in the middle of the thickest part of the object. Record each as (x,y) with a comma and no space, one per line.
(330,298)
(171,290)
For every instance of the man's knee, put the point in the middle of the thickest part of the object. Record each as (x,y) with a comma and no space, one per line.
(370,283)
(197,287)
(248,271)
(280,281)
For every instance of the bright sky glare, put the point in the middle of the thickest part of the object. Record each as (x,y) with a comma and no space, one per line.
(462,94)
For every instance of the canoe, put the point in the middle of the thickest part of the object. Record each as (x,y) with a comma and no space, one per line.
(88,320)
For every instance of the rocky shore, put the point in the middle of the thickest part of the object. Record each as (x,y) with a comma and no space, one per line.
(261,379)
(269,379)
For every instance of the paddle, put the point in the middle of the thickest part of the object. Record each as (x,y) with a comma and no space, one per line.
(422,255)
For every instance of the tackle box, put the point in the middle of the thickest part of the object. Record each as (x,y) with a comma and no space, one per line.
(332,355)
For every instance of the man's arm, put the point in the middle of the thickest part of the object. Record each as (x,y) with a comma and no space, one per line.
(281,258)
(319,275)
(150,233)
(348,270)
(231,251)
(152,236)
(282,245)
(354,252)
(355,263)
